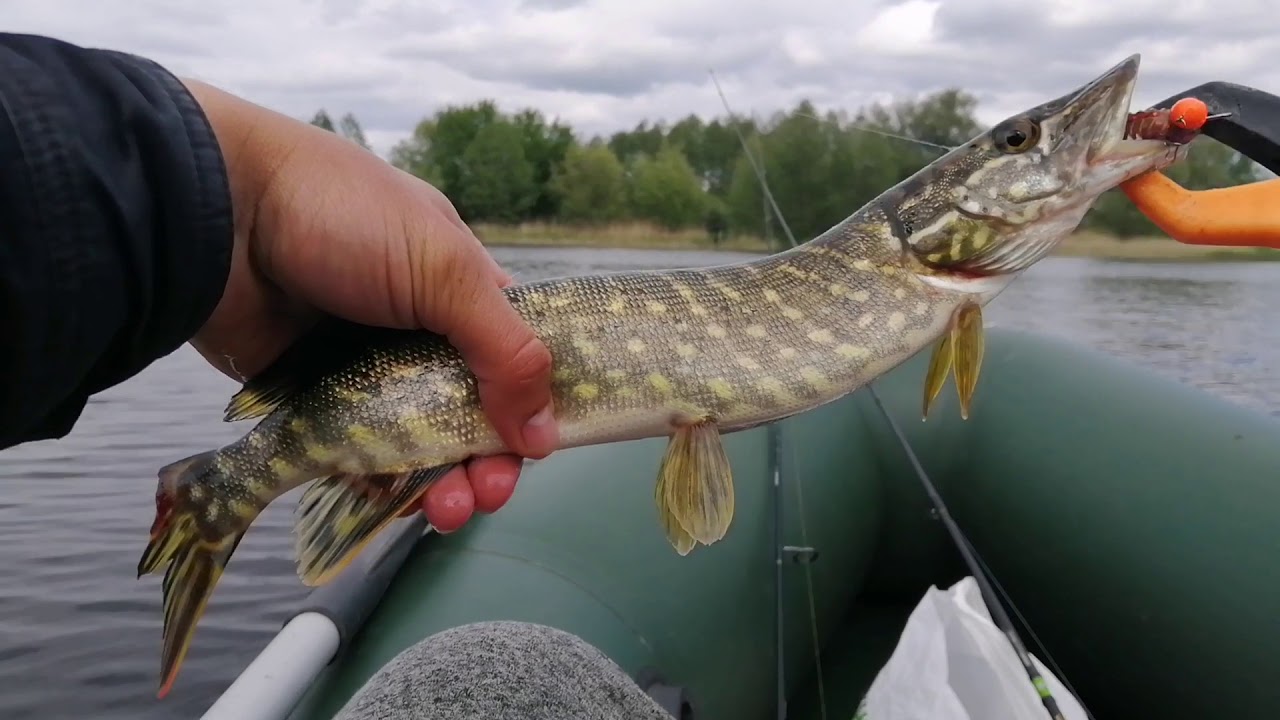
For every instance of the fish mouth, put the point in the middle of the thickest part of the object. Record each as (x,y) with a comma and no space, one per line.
(1098,113)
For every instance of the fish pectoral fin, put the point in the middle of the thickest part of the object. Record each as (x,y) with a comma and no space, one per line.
(694,493)
(194,569)
(939,367)
(338,515)
(967,337)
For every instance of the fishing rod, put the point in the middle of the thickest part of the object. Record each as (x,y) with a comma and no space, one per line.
(968,552)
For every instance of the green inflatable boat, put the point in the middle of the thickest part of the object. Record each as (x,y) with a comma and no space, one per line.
(1130,518)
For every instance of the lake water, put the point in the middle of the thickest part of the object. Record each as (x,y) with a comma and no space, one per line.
(79,635)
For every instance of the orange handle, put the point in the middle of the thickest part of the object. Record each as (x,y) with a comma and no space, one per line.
(1238,216)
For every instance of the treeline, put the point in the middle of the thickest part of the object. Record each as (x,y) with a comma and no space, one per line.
(520,167)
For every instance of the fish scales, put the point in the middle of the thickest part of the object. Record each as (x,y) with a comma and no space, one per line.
(368,421)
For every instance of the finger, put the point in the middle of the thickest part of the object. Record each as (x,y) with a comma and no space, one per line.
(449,502)
(493,481)
(512,365)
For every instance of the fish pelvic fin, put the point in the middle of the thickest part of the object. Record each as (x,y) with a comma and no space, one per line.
(193,565)
(960,350)
(694,493)
(936,375)
(967,336)
(338,515)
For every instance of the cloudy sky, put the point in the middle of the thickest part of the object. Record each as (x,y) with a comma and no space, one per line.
(606,64)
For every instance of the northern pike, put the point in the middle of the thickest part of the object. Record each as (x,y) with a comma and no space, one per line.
(370,417)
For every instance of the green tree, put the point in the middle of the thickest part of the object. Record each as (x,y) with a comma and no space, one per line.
(322,120)
(545,145)
(349,127)
(495,179)
(590,185)
(435,150)
(665,190)
(645,139)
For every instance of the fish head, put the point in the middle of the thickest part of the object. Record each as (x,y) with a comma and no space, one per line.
(996,205)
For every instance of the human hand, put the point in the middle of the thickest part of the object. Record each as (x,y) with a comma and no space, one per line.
(324,226)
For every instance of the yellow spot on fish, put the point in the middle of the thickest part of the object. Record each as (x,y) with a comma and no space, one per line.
(660,383)
(298,425)
(685,350)
(981,237)
(920,308)
(656,307)
(257,487)
(853,352)
(585,346)
(350,395)
(196,492)
(362,434)
(280,467)
(822,336)
(561,373)
(756,331)
(242,508)
(771,295)
(616,306)
(813,377)
(772,386)
(837,289)
(257,440)
(791,313)
(897,321)
(787,352)
(560,301)
(320,453)
(861,295)
(636,345)
(212,512)
(408,371)
(865,320)
(728,291)
(716,331)
(586,390)
(698,310)
(684,291)
(899,293)
(747,362)
(864,265)
(625,392)
(1018,190)
(722,389)
(615,374)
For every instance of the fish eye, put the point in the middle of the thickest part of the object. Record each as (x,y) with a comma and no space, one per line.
(1016,135)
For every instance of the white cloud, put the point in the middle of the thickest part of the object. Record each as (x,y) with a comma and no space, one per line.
(603,65)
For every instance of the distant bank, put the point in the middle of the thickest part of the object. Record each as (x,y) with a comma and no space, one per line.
(639,236)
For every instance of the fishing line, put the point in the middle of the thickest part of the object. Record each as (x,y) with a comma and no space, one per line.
(969,554)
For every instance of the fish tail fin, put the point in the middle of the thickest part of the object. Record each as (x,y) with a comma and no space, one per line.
(338,515)
(194,565)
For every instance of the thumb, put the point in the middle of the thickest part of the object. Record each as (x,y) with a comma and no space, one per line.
(512,365)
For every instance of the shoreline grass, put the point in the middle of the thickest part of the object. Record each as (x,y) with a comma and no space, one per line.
(643,236)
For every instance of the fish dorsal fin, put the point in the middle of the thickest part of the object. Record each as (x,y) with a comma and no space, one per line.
(329,345)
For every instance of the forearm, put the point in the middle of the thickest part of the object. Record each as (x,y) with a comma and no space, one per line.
(115,226)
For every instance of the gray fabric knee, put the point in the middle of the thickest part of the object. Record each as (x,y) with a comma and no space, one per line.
(501,671)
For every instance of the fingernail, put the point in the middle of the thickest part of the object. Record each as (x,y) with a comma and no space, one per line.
(541,433)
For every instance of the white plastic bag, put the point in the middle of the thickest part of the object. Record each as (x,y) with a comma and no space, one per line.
(953,663)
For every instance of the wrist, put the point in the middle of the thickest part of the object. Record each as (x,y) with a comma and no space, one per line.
(251,151)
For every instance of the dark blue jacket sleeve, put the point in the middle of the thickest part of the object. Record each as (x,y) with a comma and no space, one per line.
(115,226)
